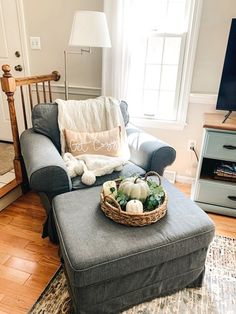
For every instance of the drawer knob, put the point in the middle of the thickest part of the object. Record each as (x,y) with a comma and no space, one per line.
(229,147)
(232,198)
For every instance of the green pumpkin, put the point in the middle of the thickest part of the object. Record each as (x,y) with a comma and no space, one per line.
(135,188)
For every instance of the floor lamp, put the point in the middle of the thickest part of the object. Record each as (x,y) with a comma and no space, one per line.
(89,29)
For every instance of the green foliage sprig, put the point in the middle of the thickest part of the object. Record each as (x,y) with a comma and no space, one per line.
(156,196)
(122,199)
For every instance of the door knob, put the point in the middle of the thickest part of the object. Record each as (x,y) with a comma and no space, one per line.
(18,68)
(17,54)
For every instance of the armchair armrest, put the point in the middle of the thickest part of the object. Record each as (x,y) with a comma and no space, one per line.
(149,152)
(44,165)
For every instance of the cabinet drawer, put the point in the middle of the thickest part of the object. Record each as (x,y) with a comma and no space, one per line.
(220,145)
(216,193)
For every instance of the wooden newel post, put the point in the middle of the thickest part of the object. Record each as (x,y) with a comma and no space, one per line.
(9,87)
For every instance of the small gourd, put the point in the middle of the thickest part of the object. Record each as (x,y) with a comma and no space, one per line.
(135,188)
(134,206)
(109,188)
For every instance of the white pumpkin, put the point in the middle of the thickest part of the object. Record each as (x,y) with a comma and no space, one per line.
(134,206)
(109,188)
(135,188)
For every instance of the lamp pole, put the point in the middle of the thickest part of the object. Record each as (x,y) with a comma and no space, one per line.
(66,53)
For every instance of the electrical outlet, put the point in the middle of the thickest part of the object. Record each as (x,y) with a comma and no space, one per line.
(191,144)
(35,43)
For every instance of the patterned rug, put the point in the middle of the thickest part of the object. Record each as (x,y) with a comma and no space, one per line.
(217,296)
(6,157)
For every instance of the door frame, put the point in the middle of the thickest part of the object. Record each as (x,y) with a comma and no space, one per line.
(25,57)
(23,35)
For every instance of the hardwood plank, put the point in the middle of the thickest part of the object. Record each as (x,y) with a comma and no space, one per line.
(13,240)
(43,249)
(19,303)
(22,233)
(38,282)
(22,264)
(22,253)
(11,288)
(9,309)
(50,260)
(5,219)
(30,266)
(30,211)
(2,312)
(13,274)
(225,226)
(3,257)
(27,224)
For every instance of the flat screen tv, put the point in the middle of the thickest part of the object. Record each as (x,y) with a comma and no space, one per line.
(227,90)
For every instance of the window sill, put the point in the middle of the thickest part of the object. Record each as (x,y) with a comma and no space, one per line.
(157,124)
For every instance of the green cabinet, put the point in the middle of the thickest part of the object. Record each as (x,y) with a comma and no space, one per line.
(215,186)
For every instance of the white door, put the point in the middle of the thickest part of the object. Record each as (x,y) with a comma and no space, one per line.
(11,52)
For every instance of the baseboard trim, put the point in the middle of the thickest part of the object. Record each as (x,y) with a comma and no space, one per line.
(184,179)
(73,90)
(205,99)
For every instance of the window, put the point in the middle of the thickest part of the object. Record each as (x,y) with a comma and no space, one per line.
(161,54)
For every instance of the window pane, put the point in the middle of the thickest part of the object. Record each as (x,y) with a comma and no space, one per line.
(172,50)
(152,77)
(169,77)
(166,106)
(155,50)
(157,11)
(150,99)
(176,16)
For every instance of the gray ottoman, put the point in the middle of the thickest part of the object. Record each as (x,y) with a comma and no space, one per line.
(111,267)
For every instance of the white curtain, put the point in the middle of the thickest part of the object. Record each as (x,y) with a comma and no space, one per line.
(123,63)
(116,59)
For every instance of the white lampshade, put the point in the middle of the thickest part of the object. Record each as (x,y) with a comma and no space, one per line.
(89,29)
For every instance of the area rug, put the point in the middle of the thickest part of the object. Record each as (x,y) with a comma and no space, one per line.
(217,296)
(6,158)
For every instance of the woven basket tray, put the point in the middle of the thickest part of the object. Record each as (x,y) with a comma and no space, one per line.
(112,209)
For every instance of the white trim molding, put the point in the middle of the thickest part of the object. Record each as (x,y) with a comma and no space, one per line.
(185,179)
(78,90)
(189,58)
(73,90)
(23,36)
(205,99)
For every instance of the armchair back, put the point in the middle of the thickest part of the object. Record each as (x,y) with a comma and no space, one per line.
(44,120)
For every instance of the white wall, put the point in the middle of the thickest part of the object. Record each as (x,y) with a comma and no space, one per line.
(51,20)
(213,37)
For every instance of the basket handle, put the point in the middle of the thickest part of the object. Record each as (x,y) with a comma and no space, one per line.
(153,173)
(108,197)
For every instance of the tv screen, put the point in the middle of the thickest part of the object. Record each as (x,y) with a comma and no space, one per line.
(227,91)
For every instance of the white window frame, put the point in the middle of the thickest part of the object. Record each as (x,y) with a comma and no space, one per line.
(182,36)
(186,78)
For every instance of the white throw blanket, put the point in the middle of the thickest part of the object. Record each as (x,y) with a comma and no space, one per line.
(92,115)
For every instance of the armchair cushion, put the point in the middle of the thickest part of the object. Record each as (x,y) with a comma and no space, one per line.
(44,120)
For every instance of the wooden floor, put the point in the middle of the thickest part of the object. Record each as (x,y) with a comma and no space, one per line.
(28,262)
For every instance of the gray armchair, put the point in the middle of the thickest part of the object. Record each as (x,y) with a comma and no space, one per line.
(46,170)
